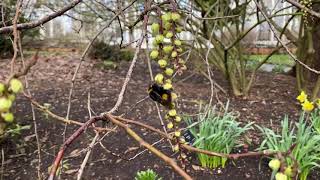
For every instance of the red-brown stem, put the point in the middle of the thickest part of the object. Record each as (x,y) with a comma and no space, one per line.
(67,143)
(197,150)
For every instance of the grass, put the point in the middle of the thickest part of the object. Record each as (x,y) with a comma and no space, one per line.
(279,59)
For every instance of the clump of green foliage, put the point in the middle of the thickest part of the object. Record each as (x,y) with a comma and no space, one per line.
(315,119)
(103,51)
(217,133)
(147,175)
(306,151)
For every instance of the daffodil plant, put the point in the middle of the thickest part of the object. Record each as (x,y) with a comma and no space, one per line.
(217,133)
(307,105)
(7,96)
(305,152)
(166,52)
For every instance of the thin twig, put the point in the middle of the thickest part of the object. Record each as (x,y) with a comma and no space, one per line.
(130,71)
(85,160)
(15,36)
(32,107)
(2,163)
(41,21)
(26,68)
(82,59)
(141,152)
(68,142)
(59,118)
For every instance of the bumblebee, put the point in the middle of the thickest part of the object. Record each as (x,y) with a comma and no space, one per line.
(160,95)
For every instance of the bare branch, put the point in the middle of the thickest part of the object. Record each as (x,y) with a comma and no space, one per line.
(68,142)
(15,35)
(41,21)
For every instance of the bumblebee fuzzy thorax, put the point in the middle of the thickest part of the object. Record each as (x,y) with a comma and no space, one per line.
(160,95)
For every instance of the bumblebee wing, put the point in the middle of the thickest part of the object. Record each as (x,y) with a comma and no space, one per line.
(155,96)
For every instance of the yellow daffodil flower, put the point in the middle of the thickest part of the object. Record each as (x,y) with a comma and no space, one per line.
(307,106)
(302,97)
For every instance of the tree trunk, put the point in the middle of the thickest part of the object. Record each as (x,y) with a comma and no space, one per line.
(316,44)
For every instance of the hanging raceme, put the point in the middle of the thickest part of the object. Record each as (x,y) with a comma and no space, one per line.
(167,53)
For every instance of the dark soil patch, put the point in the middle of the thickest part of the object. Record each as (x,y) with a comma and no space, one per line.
(271,98)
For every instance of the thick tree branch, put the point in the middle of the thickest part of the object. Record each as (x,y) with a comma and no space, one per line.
(33,24)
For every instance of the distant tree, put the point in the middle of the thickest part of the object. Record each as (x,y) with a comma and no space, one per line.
(6,20)
(309,52)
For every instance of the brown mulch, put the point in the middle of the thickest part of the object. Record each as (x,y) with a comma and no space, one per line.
(272,97)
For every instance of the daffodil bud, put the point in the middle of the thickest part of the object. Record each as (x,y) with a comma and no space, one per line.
(162,63)
(159,78)
(177,133)
(155,27)
(302,97)
(7,117)
(15,85)
(172,112)
(169,71)
(281,176)
(169,35)
(170,125)
(154,54)
(288,171)
(274,164)
(175,17)
(5,104)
